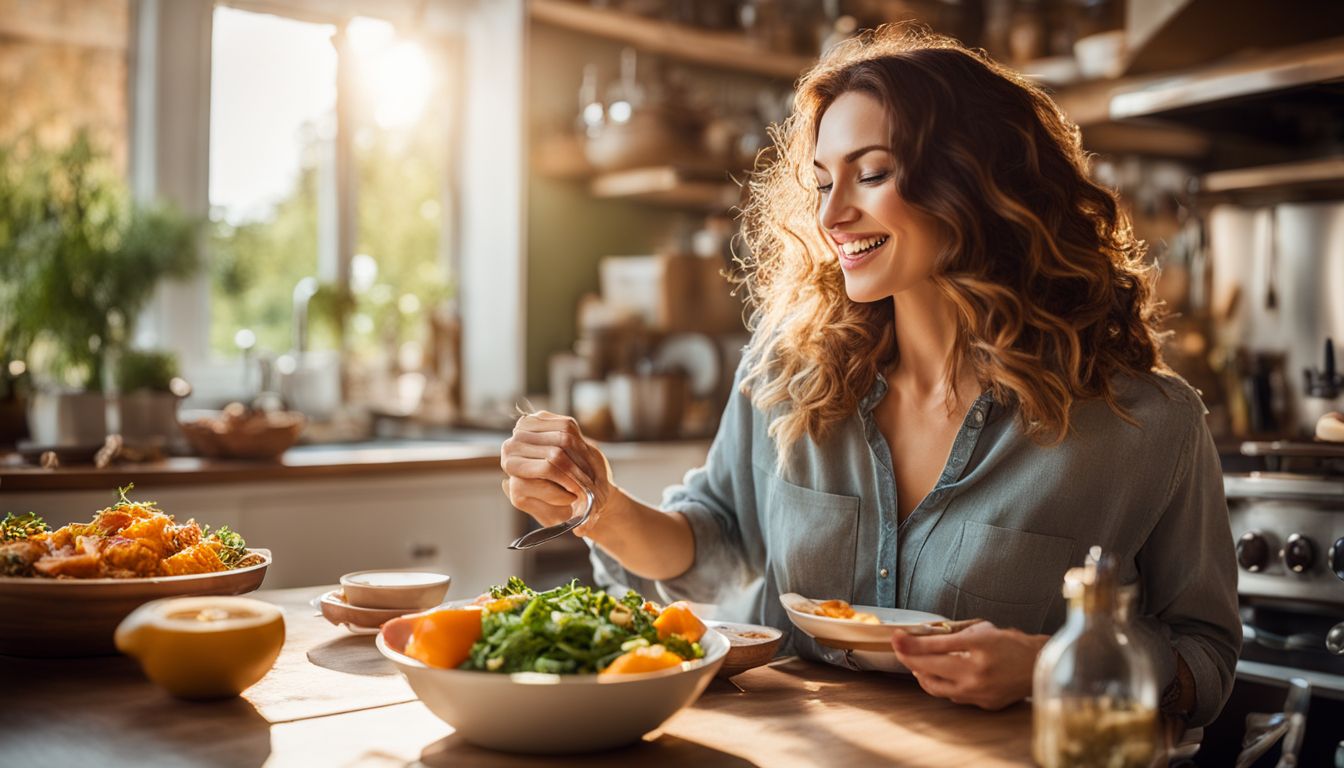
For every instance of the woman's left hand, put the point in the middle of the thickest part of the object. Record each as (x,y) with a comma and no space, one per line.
(981,665)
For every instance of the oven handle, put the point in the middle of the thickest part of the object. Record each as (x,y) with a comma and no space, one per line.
(1299,641)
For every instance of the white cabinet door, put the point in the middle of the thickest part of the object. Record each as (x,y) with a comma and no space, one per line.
(457,523)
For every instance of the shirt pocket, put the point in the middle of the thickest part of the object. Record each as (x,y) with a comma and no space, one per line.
(1007,576)
(811,538)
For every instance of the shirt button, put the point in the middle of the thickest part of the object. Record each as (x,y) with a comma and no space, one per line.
(883,573)
(979,417)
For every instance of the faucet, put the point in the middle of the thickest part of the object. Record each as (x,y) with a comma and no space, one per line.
(304,291)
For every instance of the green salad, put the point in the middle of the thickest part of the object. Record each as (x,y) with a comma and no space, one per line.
(567,630)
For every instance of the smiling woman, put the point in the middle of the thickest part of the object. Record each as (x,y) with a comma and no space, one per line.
(955,348)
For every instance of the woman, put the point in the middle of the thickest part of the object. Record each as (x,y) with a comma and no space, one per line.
(954,388)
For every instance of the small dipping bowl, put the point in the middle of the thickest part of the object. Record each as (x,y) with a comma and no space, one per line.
(399,590)
(749,646)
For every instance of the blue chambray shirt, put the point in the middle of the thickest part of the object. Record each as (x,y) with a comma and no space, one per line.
(992,540)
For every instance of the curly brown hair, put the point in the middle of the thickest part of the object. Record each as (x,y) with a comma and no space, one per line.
(1052,293)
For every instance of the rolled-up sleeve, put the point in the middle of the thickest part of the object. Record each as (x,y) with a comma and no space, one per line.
(714,499)
(1189,579)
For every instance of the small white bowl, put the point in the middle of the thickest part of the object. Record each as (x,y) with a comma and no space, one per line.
(556,714)
(407,590)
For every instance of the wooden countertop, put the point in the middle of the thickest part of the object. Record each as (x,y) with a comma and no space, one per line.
(301,463)
(333,700)
(304,462)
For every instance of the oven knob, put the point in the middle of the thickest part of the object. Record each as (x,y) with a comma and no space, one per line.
(1298,554)
(1337,558)
(1253,551)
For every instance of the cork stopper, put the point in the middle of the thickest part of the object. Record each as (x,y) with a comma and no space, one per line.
(1094,583)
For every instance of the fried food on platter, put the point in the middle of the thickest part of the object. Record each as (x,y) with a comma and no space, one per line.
(129,539)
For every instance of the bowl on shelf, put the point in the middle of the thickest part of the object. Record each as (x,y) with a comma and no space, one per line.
(554,714)
(77,617)
(239,432)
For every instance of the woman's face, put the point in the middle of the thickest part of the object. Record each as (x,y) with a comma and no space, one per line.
(884,245)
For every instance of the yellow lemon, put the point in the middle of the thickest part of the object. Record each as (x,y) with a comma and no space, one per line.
(203,647)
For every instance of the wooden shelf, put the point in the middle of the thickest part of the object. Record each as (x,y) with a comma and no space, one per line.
(723,50)
(669,186)
(1102,101)
(1317,171)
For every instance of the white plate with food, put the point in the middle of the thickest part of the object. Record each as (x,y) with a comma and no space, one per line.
(863,630)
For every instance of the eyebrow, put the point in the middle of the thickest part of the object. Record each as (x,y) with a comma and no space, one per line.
(856,154)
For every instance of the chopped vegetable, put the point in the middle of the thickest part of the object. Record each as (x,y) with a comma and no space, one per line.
(677,619)
(233,550)
(567,630)
(649,658)
(444,637)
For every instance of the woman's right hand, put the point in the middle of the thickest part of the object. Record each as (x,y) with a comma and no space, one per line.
(549,464)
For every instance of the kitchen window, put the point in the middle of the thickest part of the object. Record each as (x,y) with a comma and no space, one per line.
(388,214)
(328,159)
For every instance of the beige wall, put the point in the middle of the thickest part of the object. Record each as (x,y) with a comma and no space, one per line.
(63,66)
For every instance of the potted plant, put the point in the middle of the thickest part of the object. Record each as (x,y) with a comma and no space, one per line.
(86,261)
(148,394)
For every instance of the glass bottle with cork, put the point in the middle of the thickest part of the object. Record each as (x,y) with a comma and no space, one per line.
(1094,693)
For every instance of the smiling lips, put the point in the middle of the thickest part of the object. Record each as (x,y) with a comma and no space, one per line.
(854,250)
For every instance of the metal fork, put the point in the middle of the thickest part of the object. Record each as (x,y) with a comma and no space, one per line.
(542,535)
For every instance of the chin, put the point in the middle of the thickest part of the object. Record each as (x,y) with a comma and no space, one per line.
(864,291)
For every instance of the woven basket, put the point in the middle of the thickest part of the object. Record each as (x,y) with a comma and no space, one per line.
(265,436)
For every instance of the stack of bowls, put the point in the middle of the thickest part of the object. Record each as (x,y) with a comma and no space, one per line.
(366,599)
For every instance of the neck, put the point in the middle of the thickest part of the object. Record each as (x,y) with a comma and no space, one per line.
(926,332)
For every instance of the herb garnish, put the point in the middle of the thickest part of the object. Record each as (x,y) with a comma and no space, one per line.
(19,527)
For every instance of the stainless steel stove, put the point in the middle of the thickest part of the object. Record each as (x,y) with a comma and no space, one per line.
(1289,525)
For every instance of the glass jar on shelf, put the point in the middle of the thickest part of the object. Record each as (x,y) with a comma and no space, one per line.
(1095,692)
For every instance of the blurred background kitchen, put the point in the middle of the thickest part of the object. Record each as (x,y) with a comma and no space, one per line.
(284,263)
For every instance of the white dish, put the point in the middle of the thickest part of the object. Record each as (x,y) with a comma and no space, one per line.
(405,590)
(557,714)
(361,621)
(869,645)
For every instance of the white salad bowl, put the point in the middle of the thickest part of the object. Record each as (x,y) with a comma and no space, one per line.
(557,714)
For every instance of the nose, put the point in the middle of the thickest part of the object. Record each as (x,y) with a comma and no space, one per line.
(836,209)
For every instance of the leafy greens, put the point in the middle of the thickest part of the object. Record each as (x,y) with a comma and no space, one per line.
(570,629)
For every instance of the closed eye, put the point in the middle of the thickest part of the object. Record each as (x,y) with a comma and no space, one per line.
(875,178)
(824,188)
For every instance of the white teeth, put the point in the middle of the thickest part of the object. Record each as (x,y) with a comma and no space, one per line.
(859,246)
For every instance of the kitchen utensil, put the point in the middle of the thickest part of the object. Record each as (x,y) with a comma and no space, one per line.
(542,535)
(555,714)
